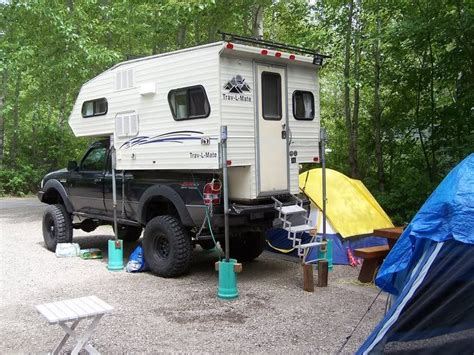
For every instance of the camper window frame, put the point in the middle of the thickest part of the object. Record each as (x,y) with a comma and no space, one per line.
(188,103)
(265,115)
(101,113)
(294,105)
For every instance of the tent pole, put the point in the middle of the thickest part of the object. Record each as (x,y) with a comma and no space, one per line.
(323,163)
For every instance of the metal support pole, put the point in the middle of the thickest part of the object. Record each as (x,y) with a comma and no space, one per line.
(114,187)
(323,165)
(225,187)
(123,194)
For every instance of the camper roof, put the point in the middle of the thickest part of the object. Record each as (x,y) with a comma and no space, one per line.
(256,47)
(259,49)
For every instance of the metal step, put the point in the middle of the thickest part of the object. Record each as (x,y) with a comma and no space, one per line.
(286,210)
(298,229)
(309,245)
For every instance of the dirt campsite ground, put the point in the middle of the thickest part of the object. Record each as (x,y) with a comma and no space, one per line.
(152,314)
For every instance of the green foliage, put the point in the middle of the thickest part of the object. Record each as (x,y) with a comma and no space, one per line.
(49,48)
(19,181)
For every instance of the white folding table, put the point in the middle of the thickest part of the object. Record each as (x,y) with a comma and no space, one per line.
(75,310)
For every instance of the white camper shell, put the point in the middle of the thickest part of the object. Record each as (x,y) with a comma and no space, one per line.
(165,112)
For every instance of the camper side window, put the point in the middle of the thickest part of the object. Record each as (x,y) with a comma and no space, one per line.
(189,103)
(96,107)
(303,105)
(271,96)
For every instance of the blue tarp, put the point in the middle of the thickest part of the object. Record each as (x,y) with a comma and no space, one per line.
(447,214)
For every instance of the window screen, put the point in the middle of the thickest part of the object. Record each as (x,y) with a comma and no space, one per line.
(96,107)
(94,160)
(189,103)
(303,105)
(271,96)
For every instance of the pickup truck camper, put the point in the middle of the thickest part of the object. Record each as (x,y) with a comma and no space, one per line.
(161,115)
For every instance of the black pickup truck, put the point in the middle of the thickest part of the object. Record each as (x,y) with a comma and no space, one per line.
(177,210)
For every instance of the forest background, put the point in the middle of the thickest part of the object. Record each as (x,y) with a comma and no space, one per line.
(396,97)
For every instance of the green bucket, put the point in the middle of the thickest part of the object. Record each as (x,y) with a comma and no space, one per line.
(227,280)
(115,255)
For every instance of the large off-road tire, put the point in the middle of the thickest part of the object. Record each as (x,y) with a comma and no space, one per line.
(247,247)
(167,246)
(129,233)
(57,226)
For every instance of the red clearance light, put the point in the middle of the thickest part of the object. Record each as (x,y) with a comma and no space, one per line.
(316,159)
(292,57)
(278,54)
(263,52)
(229,45)
(229,162)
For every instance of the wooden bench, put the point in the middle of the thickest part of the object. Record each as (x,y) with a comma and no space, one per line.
(74,311)
(373,257)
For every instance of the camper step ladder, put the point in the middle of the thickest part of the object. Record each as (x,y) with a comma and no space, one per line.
(295,231)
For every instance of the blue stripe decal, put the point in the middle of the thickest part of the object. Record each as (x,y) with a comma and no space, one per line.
(171,137)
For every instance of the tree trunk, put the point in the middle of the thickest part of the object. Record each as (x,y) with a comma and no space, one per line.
(181,40)
(434,165)
(347,103)
(1,131)
(355,116)
(257,28)
(16,121)
(417,121)
(377,114)
(2,124)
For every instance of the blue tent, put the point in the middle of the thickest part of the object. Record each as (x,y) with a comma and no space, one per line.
(430,274)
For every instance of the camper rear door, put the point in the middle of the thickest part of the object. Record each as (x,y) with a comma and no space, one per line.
(272,130)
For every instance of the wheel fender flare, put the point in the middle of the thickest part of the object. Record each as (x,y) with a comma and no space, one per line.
(171,195)
(54,184)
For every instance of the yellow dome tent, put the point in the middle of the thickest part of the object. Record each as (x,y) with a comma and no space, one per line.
(351,209)
(352,215)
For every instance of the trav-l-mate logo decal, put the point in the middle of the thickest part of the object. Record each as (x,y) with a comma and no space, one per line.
(237,90)
(173,137)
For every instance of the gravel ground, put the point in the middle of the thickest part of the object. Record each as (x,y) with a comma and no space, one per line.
(272,314)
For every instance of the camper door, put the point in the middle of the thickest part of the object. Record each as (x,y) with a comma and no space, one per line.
(272,122)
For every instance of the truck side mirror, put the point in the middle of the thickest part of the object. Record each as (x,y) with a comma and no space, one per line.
(72,165)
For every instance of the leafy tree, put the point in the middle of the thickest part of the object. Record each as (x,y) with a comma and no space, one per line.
(396,96)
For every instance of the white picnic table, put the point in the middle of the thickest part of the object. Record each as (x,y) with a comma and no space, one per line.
(75,310)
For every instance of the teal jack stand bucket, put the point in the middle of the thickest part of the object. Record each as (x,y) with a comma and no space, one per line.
(327,254)
(227,280)
(115,255)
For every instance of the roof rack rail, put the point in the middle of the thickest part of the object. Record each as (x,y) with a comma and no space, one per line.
(317,57)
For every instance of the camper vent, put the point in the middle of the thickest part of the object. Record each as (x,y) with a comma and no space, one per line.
(124,79)
(126,124)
